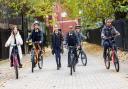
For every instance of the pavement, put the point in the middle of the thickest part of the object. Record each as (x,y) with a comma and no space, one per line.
(92,76)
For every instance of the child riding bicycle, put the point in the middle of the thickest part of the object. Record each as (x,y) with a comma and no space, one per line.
(15,41)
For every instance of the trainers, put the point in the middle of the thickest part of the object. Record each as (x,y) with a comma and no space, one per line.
(60,65)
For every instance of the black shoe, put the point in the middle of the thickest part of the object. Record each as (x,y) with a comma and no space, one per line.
(77,61)
(20,65)
(11,65)
(68,65)
(58,68)
(60,65)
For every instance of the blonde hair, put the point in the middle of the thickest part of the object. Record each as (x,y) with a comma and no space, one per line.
(109,19)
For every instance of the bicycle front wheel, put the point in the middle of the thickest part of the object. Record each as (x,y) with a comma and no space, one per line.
(33,63)
(116,63)
(71,69)
(16,72)
(74,68)
(40,62)
(71,63)
(16,65)
(107,61)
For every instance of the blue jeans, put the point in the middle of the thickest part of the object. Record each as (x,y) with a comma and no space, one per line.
(57,52)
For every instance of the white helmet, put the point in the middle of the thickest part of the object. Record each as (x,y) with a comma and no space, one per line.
(37,22)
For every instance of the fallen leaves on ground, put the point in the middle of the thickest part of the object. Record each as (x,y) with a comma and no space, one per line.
(98,50)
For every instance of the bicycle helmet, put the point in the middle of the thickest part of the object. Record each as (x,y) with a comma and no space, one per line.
(36,22)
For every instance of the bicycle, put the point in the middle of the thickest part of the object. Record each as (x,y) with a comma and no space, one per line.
(36,56)
(15,61)
(72,59)
(82,55)
(111,55)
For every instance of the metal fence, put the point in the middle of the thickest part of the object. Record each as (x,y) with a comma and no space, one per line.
(93,36)
(4,52)
(5,33)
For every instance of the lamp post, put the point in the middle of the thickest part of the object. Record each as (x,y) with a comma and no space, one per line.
(63,15)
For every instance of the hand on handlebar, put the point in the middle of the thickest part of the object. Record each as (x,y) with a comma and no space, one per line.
(104,37)
(78,47)
(39,42)
(14,45)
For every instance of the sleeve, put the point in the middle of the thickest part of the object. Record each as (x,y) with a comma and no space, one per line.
(20,41)
(29,36)
(52,38)
(8,42)
(102,33)
(82,36)
(42,36)
(115,31)
(76,39)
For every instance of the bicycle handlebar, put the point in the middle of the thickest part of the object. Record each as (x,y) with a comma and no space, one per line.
(38,42)
(13,45)
(110,37)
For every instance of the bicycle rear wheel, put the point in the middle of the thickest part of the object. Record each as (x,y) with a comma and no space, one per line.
(83,58)
(116,63)
(107,61)
(40,62)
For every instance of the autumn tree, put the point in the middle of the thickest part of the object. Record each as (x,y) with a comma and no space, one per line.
(92,11)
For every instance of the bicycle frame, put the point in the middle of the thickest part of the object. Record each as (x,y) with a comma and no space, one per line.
(112,51)
(80,49)
(36,52)
(15,58)
(112,55)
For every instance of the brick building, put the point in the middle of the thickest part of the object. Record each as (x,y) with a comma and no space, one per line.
(62,19)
